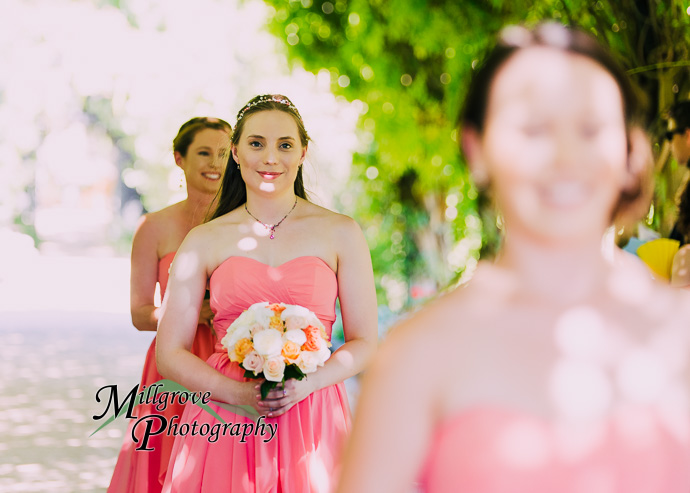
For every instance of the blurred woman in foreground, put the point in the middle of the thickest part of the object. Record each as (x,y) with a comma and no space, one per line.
(555,368)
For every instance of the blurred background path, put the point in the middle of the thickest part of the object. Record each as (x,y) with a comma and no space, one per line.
(64,333)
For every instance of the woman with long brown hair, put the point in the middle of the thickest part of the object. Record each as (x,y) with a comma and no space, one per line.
(267,243)
(199,150)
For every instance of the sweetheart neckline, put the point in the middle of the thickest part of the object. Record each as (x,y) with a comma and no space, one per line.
(322,261)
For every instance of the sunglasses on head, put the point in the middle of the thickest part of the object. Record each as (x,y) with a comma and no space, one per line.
(669,135)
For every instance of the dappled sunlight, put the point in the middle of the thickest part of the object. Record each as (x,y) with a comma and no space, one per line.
(580,333)
(524,445)
(247,244)
(259,229)
(643,376)
(274,274)
(267,187)
(344,357)
(600,368)
(183,465)
(575,440)
(580,390)
(186,264)
(319,477)
(628,286)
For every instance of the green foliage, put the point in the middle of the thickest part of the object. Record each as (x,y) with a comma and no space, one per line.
(397,57)
(410,63)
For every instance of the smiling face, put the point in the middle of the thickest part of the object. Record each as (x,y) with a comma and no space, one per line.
(204,163)
(269,151)
(554,144)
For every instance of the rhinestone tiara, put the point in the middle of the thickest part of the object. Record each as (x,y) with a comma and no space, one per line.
(276,98)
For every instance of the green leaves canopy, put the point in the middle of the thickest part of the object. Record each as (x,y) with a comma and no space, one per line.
(410,63)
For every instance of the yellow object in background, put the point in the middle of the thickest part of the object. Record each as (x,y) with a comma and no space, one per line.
(658,255)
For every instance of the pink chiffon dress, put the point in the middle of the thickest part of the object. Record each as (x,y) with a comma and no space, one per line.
(489,450)
(140,471)
(304,454)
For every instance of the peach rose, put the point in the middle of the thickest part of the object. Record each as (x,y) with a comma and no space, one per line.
(253,362)
(242,348)
(308,361)
(257,327)
(290,351)
(295,322)
(274,369)
(313,338)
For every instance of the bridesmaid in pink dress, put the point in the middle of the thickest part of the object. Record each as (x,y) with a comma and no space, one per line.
(266,242)
(560,367)
(199,150)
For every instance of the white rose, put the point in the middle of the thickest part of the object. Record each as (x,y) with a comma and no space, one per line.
(268,342)
(323,353)
(234,334)
(257,327)
(225,342)
(294,311)
(314,320)
(274,369)
(262,314)
(308,361)
(245,318)
(296,336)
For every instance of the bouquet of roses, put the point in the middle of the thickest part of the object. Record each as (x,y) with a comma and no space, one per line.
(276,342)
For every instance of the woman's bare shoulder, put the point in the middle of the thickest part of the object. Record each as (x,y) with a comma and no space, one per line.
(451,316)
(318,212)
(165,215)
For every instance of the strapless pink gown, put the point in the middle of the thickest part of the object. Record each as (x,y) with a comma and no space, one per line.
(487,450)
(304,454)
(139,471)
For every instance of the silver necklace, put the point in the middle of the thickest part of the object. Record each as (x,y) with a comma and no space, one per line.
(271,227)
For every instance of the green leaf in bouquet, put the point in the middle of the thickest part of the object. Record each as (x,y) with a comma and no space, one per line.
(266,387)
(294,371)
(250,374)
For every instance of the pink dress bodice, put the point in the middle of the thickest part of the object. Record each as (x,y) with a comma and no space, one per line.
(164,271)
(304,455)
(490,450)
(305,281)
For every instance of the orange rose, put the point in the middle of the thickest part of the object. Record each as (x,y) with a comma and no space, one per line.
(313,336)
(290,351)
(277,308)
(243,348)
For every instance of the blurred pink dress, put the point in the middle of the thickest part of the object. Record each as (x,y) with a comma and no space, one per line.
(304,454)
(140,471)
(487,450)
